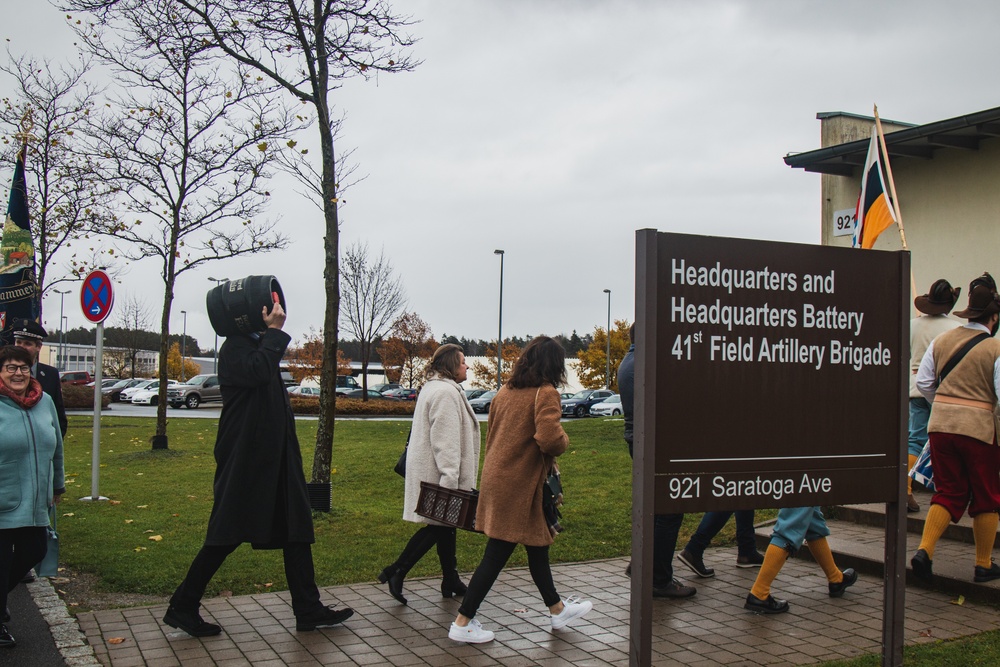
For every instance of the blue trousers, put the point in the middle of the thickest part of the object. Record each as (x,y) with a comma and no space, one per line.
(665,530)
(796,525)
(713,522)
(920,412)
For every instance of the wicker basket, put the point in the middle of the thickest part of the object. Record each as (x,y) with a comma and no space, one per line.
(452,507)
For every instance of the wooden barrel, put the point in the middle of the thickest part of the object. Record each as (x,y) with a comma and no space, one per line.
(234,307)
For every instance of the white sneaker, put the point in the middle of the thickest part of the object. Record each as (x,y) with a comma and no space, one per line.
(573,608)
(473,633)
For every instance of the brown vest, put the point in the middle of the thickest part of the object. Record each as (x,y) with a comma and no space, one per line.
(970,380)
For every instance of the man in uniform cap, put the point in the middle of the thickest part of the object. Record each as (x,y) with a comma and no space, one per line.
(935,306)
(29,335)
(960,375)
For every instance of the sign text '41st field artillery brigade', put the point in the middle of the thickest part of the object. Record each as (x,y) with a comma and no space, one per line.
(779,372)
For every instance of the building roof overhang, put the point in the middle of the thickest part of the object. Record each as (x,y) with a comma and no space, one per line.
(917,142)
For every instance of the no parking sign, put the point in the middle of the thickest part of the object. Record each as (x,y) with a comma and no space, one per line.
(97,296)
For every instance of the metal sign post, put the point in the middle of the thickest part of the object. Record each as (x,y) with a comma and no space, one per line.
(96,299)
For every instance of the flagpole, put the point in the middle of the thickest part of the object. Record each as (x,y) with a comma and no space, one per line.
(895,199)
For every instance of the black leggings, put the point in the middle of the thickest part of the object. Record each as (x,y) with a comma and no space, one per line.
(443,537)
(20,550)
(494,558)
(298,571)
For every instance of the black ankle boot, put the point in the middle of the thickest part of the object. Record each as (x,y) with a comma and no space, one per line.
(393,576)
(451,586)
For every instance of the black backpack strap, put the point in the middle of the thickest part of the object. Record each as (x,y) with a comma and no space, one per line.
(958,356)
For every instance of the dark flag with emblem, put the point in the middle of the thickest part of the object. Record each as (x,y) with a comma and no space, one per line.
(18,291)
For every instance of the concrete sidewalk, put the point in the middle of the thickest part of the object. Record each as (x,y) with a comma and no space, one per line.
(711,628)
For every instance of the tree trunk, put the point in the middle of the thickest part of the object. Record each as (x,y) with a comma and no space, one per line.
(159,440)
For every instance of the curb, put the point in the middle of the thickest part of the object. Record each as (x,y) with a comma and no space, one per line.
(66,633)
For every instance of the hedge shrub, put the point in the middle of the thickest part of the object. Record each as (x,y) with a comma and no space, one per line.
(80,397)
(353,406)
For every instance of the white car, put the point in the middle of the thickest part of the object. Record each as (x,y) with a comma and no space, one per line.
(300,390)
(611,406)
(128,393)
(150,394)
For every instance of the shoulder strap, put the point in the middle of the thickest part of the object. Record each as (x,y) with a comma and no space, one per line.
(958,356)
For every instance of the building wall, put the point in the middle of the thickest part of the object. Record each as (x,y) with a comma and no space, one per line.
(950,207)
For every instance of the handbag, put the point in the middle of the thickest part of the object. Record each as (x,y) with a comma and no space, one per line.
(400,467)
(552,500)
(922,471)
(49,565)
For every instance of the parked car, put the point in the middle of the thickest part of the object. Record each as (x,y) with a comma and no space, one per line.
(579,404)
(126,395)
(612,406)
(565,395)
(402,394)
(199,389)
(76,377)
(105,382)
(385,386)
(346,383)
(474,393)
(482,402)
(150,394)
(114,392)
(300,390)
(372,395)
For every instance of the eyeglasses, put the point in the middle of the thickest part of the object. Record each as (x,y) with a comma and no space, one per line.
(15,369)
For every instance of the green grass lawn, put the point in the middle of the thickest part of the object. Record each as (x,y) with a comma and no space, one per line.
(166,495)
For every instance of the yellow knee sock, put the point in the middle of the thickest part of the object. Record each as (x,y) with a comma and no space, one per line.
(984,529)
(935,524)
(774,559)
(909,480)
(820,550)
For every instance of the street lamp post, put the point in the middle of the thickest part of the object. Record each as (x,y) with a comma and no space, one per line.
(184,343)
(607,367)
(62,359)
(500,320)
(217,282)
(63,353)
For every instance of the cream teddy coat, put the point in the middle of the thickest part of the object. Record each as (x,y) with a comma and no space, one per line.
(444,443)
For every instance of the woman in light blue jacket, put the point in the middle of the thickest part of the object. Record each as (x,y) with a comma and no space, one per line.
(31,472)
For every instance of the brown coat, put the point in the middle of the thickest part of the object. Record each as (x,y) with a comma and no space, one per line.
(522,441)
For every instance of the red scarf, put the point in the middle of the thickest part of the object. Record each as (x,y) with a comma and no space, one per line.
(30,398)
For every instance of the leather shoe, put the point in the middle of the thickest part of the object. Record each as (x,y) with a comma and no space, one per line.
(837,589)
(696,563)
(771,605)
(675,589)
(6,639)
(922,566)
(987,573)
(190,622)
(452,586)
(323,618)
(394,578)
(911,504)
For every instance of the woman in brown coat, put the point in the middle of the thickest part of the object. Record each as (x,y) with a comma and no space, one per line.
(522,441)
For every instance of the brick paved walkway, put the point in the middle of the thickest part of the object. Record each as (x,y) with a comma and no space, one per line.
(709,629)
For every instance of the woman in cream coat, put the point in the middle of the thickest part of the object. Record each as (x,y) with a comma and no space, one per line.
(443,449)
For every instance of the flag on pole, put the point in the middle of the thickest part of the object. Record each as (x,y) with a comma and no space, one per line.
(18,291)
(874,211)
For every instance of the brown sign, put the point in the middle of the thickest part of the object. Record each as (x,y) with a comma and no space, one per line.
(780,373)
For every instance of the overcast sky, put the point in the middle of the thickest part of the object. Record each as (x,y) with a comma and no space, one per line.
(554,129)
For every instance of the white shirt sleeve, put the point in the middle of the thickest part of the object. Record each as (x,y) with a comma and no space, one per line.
(927,374)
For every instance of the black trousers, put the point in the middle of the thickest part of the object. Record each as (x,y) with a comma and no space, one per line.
(494,558)
(298,571)
(20,550)
(444,537)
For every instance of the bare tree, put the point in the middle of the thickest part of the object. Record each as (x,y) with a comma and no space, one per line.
(372,296)
(133,321)
(51,106)
(186,145)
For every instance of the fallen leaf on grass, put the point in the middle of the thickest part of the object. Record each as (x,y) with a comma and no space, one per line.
(58,580)
(142,507)
(68,514)
(115,640)
(926,632)
(959,601)
(129,520)
(155,538)
(114,502)
(138,549)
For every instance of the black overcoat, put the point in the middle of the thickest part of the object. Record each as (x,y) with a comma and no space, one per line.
(260,488)
(48,377)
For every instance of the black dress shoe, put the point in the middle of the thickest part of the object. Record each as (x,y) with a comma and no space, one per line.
(675,589)
(190,622)
(6,639)
(837,589)
(987,573)
(394,578)
(28,578)
(771,605)
(921,564)
(323,618)
(452,586)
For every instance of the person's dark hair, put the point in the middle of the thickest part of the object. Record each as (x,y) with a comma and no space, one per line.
(543,361)
(445,361)
(631,333)
(15,353)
